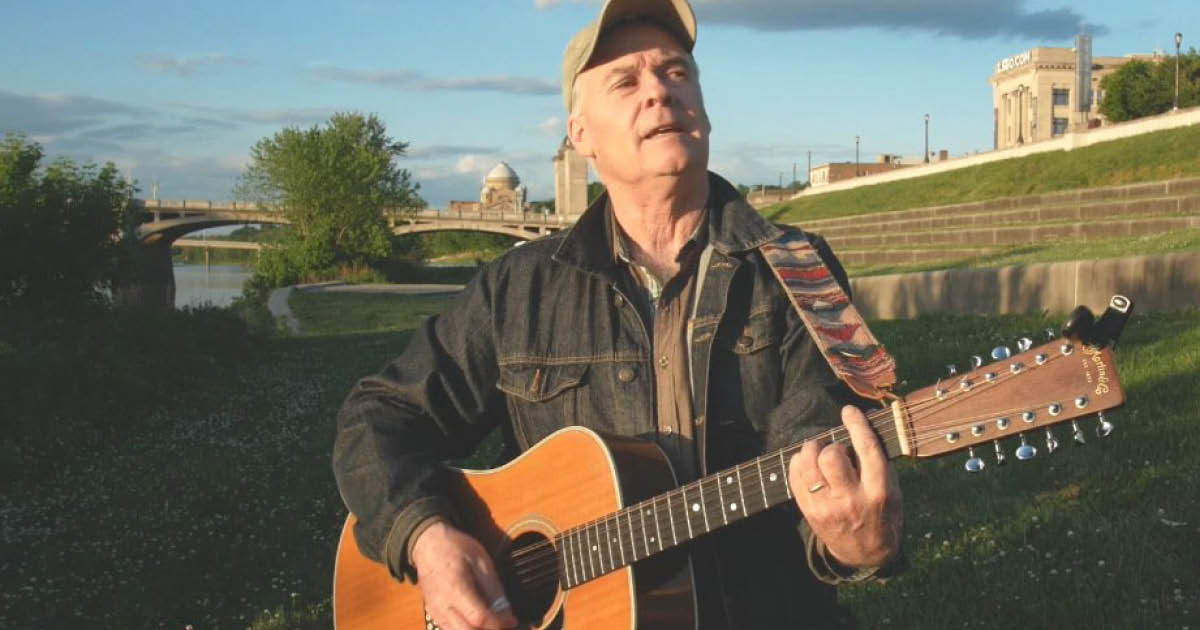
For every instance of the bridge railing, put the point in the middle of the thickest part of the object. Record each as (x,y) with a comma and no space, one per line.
(425,215)
(201,205)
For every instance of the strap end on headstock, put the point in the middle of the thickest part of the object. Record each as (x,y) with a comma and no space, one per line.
(1104,332)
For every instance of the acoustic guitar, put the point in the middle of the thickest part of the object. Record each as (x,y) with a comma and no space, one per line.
(586,529)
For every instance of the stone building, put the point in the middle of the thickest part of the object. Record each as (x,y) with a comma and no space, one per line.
(1034,94)
(502,192)
(570,181)
(825,174)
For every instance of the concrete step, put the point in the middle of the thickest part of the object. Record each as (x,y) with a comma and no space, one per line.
(1189,187)
(1183,205)
(1018,235)
(908,256)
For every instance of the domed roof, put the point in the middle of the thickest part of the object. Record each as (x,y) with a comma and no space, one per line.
(503,173)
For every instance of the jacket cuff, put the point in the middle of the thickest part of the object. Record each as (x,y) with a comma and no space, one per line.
(827,569)
(412,520)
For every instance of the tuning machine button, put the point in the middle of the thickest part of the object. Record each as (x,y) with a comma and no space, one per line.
(974,464)
(1024,343)
(999,353)
(951,369)
(1050,334)
(1104,428)
(1000,458)
(1077,433)
(1051,441)
(1025,450)
(976,362)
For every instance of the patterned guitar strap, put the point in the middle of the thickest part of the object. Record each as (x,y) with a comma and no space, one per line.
(832,320)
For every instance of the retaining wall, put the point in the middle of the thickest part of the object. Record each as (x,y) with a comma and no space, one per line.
(1154,283)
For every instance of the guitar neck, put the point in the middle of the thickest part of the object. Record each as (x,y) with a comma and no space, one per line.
(693,509)
(1056,382)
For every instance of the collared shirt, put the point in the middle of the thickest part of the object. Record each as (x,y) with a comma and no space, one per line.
(666,308)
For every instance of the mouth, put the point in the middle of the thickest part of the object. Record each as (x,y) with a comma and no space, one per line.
(666,129)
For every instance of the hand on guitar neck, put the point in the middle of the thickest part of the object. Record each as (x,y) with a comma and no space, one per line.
(854,509)
(458,581)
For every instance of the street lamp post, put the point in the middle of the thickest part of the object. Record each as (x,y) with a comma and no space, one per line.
(856,156)
(926,138)
(1178,42)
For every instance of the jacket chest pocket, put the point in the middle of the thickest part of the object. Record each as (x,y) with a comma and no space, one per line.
(746,372)
(543,397)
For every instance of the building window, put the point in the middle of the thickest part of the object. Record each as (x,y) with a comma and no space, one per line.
(1059,126)
(1062,96)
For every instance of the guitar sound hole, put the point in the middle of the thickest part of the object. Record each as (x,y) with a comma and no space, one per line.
(530,577)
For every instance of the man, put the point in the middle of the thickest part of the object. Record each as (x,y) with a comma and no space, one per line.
(655,316)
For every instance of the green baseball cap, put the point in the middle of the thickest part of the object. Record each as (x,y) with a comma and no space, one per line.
(675,16)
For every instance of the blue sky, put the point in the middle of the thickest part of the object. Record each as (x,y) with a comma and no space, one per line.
(178,91)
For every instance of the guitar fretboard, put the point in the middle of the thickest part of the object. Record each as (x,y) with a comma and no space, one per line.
(694,509)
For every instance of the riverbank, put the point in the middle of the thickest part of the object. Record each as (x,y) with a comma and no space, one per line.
(223,511)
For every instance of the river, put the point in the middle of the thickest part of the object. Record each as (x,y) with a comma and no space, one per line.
(218,285)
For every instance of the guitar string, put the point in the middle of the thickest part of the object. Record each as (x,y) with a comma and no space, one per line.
(547,556)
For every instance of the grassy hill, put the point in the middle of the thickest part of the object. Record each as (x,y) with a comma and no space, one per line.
(1150,157)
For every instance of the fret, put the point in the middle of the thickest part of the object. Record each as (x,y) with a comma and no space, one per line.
(645,542)
(741,495)
(578,558)
(703,505)
(608,543)
(671,516)
(564,570)
(721,500)
(783,474)
(590,548)
(657,528)
(762,482)
(632,537)
(687,513)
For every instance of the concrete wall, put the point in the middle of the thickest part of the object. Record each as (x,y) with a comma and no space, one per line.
(1169,120)
(1154,283)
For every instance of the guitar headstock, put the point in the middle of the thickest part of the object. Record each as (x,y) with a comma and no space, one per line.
(1063,380)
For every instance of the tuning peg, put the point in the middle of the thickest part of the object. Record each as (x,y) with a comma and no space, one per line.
(974,464)
(1025,450)
(1051,335)
(1077,433)
(1024,343)
(1000,458)
(951,370)
(1051,441)
(1000,353)
(1079,324)
(1105,428)
(976,362)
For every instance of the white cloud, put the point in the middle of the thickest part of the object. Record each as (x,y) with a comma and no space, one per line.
(185,66)
(400,78)
(472,163)
(552,126)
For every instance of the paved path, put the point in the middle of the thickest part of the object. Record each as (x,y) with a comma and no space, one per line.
(278,302)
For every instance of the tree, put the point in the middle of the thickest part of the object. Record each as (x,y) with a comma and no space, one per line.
(1145,88)
(59,230)
(333,184)
(595,189)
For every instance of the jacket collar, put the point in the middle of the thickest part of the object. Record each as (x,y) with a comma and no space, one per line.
(733,227)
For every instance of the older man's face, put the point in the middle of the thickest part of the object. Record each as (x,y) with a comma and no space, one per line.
(640,113)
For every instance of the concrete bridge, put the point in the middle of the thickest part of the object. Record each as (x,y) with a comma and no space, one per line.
(162,223)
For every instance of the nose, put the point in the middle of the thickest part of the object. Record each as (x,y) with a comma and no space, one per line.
(657,90)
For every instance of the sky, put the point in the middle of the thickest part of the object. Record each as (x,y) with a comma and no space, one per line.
(177,92)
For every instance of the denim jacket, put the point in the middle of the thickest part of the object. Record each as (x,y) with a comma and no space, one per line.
(536,341)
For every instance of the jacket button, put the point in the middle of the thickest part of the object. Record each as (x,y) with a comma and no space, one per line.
(625,374)
(619,301)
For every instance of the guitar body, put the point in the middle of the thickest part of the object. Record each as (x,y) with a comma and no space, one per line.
(572,477)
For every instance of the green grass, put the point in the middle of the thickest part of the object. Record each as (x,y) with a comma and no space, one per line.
(1170,243)
(1150,157)
(222,511)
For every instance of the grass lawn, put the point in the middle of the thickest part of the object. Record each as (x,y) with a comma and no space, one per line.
(1170,243)
(1149,157)
(222,511)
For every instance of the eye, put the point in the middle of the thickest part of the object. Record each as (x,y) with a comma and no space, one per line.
(623,83)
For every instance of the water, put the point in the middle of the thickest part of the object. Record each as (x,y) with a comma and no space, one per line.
(219,285)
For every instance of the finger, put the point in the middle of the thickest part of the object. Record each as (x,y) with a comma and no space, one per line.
(492,590)
(871,458)
(836,467)
(475,612)
(803,472)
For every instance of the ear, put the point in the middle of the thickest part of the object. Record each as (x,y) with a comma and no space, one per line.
(578,133)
